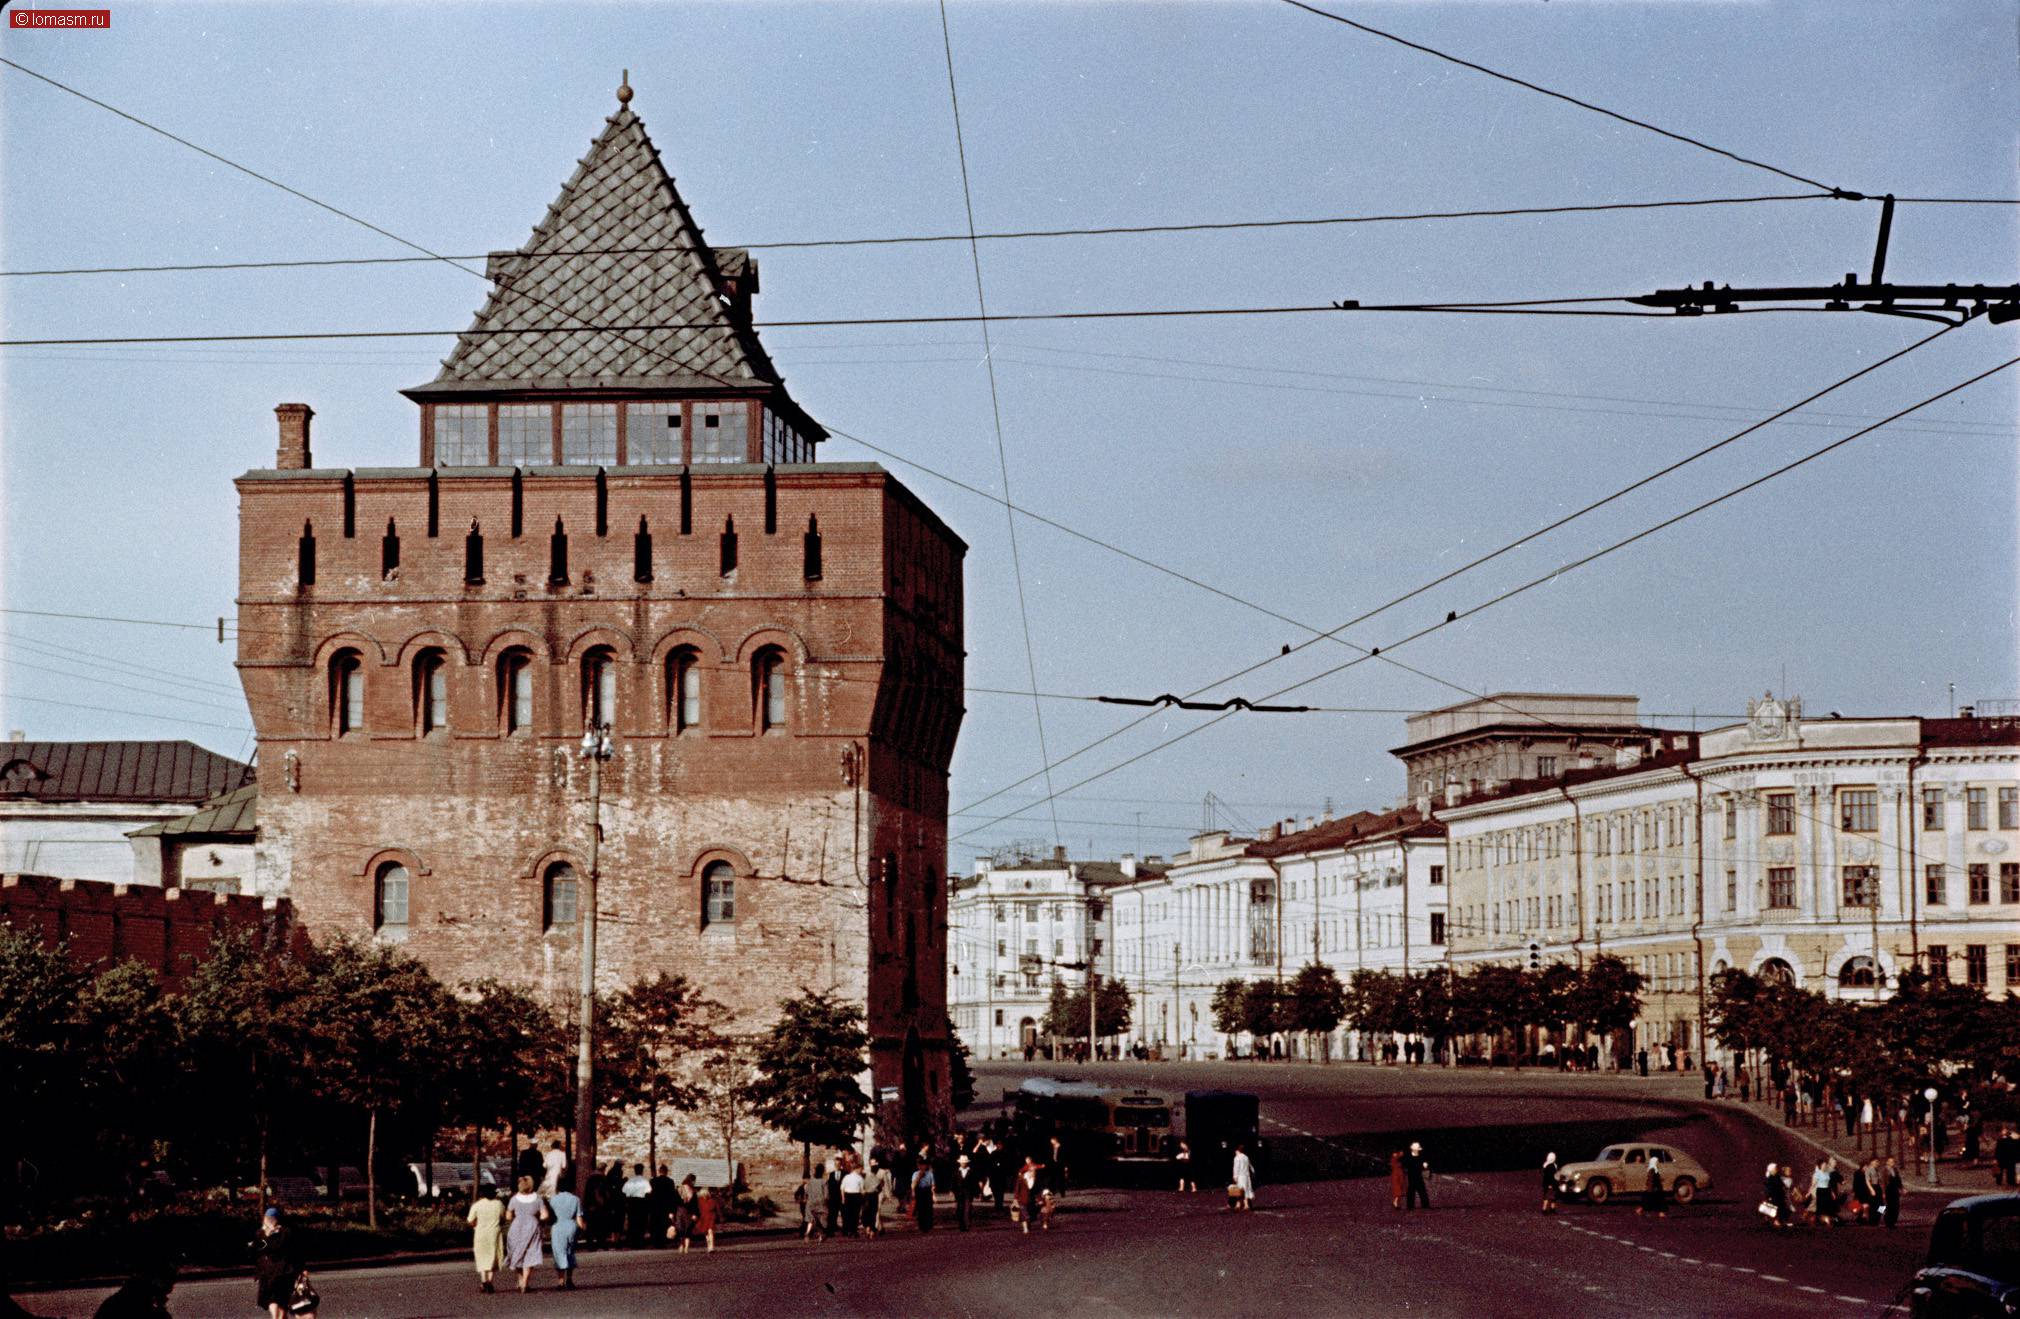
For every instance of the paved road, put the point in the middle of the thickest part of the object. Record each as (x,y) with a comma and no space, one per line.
(1325,1246)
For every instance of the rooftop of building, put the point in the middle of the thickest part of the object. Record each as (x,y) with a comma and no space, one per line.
(1349,831)
(616,286)
(172,771)
(1518,713)
(234,814)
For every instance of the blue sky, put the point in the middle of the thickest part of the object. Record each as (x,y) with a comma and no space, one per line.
(1315,465)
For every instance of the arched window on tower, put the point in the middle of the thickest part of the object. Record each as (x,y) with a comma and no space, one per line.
(683,689)
(599,687)
(515,691)
(389,897)
(718,894)
(558,897)
(431,691)
(768,689)
(347,692)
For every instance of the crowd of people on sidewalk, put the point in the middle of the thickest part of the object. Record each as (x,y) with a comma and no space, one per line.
(1825,1196)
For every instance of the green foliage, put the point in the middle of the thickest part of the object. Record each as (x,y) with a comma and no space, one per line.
(1262,1009)
(1318,1001)
(650,1029)
(1929,1031)
(507,1061)
(1230,998)
(807,1069)
(38,1004)
(1066,1011)
(960,1075)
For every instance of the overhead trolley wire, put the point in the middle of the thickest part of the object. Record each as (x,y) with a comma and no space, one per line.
(1460,615)
(1491,555)
(996,415)
(1006,235)
(1684,138)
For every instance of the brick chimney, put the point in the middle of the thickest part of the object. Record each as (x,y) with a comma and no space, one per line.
(294,446)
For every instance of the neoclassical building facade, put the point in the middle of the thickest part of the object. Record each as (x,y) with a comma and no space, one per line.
(1830,853)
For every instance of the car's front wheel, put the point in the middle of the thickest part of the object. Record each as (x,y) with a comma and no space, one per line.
(1598,1189)
(1684,1191)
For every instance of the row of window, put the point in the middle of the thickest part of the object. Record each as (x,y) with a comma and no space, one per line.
(680,690)
(392,891)
(1975,964)
(1977,884)
(1858,812)
(667,432)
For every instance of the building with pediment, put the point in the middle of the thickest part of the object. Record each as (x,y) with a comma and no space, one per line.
(616,517)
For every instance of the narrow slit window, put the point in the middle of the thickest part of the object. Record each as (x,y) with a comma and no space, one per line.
(728,546)
(473,555)
(389,553)
(686,503)
(810,550)
(771,502)
(641,553)
(305,556)
(557,553)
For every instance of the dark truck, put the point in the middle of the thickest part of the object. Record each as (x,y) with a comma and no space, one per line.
(1973,1267)
(1215,1122)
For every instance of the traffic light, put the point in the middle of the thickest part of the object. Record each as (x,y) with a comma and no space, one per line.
(1535,956)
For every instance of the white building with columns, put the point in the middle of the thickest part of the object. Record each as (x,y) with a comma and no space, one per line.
(1362,892)
(1810,850)
(1017,925)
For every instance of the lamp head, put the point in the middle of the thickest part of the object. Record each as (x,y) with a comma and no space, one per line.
(1930,1094)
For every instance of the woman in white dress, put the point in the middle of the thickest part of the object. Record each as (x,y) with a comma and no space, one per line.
(1243,1185)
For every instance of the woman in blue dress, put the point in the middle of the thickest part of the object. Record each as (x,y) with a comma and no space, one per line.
(568,1220)
(523,1213)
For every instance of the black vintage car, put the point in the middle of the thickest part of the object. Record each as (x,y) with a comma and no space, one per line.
(1973,1269)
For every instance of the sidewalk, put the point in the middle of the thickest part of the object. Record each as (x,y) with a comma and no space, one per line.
(725,1233)
(1954,1177)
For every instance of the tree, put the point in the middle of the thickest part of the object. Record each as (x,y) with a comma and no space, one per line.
(1229,1010)
(378,1020)
(807,1065)
(126,1065)
(1376,1003)
(1263,1009)
(1066,1013)
(1607,998)
(1317,1000)
(243,1022)
(728,1074)
(39,992)
(960,1075)
(654,1027)
(506,1063)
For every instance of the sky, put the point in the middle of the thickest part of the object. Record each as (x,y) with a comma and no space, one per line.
(1308,467)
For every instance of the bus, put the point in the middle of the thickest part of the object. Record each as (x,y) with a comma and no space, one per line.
(1095,1124)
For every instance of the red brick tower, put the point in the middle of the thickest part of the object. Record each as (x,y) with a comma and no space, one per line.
(622,526)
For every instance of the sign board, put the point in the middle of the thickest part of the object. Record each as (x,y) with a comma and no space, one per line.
(887,1094)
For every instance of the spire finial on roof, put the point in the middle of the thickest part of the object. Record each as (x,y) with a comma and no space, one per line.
(624,89)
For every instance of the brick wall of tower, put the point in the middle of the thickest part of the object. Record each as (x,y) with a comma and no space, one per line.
(807,815)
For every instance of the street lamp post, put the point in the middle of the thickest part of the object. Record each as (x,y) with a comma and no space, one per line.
(596,749)
(1930,1095)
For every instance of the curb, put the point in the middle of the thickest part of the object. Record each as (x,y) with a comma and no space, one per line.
(212,1272)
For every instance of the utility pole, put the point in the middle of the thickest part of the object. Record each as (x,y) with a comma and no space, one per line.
(596,749)
(1093,915)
